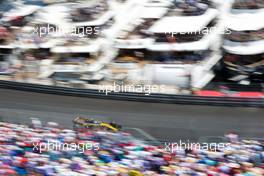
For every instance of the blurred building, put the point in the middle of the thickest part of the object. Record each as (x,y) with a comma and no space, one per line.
(170,42)
(244,47)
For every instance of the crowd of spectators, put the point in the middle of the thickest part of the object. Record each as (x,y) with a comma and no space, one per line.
(245,36)
(248,4)
(90,13)
(22,152)
(185,57)
(179,37)
(188,8)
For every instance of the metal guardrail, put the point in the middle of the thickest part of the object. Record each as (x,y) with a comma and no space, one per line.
(153,98)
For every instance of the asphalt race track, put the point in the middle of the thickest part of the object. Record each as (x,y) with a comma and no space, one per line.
(166,122)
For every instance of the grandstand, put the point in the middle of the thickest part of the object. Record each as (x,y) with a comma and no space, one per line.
(53,150)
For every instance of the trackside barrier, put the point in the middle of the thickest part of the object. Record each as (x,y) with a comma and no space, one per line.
(153,98)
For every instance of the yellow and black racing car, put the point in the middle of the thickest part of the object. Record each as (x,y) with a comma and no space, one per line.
(81,122)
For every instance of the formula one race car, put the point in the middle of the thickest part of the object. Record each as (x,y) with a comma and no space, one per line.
(81,122)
